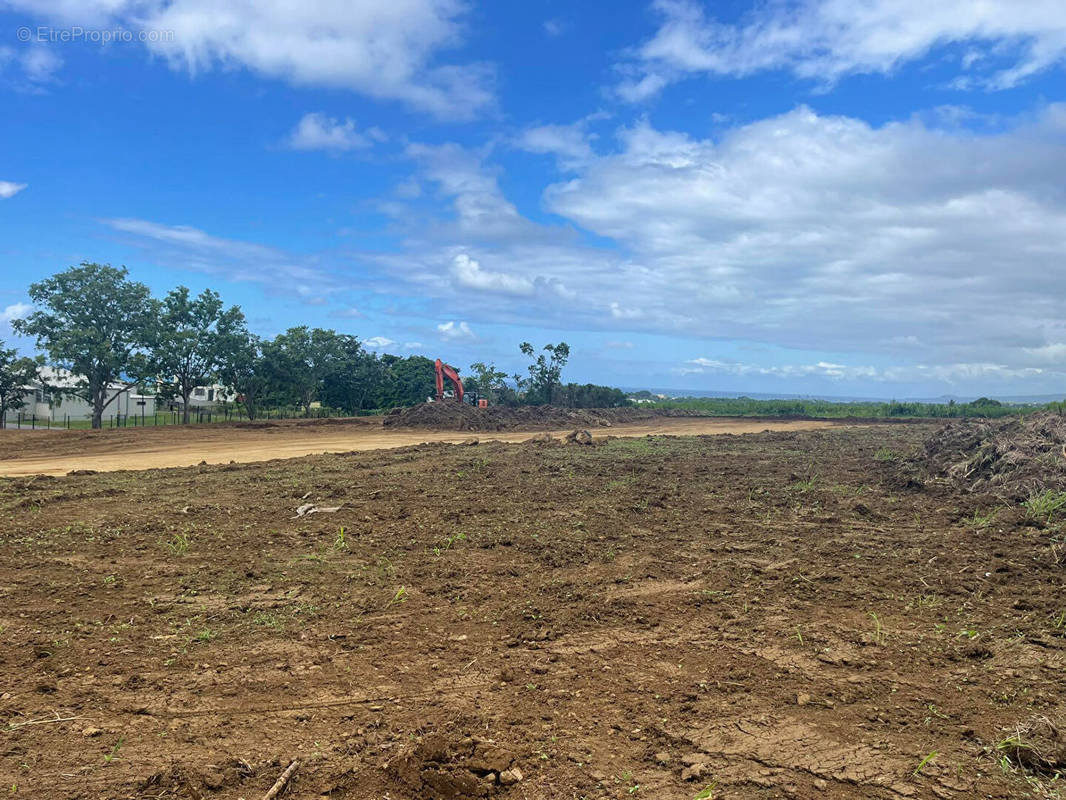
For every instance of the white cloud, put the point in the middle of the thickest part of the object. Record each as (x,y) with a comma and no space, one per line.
(14,312)
(29,68)
(378,342)
(9,189)
(825,40)
(347,313)
(186,247)
(456,331)
(554,27)
(951,374)
(469,274)
(387,49)
(828,232)
(412,345)
(318,132)
(569,143)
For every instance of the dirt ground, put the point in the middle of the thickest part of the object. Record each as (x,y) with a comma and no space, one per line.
(775,615)
(59,452)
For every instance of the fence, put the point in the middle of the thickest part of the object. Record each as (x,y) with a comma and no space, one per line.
(196,416)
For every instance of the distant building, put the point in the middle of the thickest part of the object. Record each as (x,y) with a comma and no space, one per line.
(50,403)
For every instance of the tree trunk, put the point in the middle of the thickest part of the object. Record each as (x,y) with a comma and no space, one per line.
(249,405)
(185,406)
(98,407)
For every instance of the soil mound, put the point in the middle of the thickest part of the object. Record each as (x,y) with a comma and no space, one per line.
(463,417)
(1013,458)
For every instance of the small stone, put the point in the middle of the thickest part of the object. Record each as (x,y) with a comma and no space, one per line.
(821,785)
(692,759)
(90,732)
(598,775)
(662,758)
(510,776)
(803,699)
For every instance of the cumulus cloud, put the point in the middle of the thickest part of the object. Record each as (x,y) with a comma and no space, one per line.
(378,342)
(456,331)
(469,274)
(827,232)
(13,312)
(825,40)
(318,132)
(387,49)
(9,189)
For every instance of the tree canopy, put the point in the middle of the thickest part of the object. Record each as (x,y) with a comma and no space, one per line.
(93,321)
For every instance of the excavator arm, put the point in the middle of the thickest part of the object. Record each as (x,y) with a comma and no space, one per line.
(444,371)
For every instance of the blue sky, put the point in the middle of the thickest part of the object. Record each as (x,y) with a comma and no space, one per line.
(804,196)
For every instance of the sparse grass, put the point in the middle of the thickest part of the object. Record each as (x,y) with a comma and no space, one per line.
(1046,505)
(113,755)
(399,597)
(341,541)
(707,793)
(448,543)
(178,544)
(880,636)
(981,521)
(886,454)
(923,763)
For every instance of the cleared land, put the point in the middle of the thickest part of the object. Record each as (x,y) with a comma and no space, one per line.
(59,452)
(774,615)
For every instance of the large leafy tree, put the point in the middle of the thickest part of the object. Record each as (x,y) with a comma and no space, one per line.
(358,381)
(244,370)
(17,376)
(300,360)
(409,380)
(545,373)
(93,321)
(191,342)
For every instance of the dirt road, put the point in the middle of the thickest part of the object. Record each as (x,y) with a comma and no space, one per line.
(59,452)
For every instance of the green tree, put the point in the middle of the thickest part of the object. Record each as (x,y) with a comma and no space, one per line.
(300,359)
(490,382)
(545,373)
(92,321)
(243,370)
(357,380)
(16,378)
(191,341)
(408,381)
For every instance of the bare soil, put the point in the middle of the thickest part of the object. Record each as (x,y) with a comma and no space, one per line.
(61,452)
(764,614)
(448,415)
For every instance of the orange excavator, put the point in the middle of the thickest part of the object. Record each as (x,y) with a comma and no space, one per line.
(443,370)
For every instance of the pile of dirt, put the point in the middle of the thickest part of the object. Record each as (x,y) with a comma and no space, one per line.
(463,417)
(1012,458)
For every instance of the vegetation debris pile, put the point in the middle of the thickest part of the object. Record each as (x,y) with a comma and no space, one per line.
(1014,459)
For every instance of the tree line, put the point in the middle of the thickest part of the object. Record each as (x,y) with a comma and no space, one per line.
(108,331)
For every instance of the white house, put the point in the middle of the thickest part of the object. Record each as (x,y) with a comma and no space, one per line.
(49,405)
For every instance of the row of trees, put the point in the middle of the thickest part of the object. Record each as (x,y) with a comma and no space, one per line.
(109,333)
